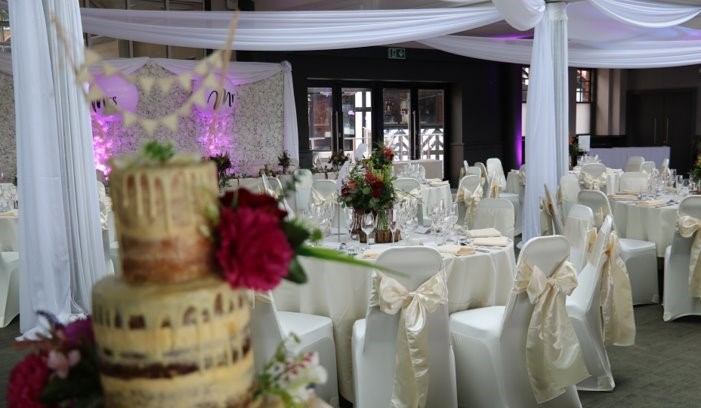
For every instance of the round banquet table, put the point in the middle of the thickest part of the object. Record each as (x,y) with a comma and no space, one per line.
(431,195)
(341,292)
(655,224)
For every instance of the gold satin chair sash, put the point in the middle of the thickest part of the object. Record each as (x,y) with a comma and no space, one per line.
(522,177)
(688,226)
(318,198)
(471,199)
(410,387)
(591,182)
(616,298)
(494,188)
(553,356)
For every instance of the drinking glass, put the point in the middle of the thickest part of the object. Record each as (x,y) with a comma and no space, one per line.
(367,223)
(393,220)
(349,216)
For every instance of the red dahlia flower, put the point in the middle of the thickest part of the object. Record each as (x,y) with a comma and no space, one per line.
(27,379)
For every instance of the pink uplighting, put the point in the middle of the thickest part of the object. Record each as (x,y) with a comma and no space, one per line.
(216,139)
(103,144)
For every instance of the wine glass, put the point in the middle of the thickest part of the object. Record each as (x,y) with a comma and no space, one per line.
(349,214)
(367,224)
(393,220)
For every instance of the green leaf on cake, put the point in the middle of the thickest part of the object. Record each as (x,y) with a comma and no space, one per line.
(157,151)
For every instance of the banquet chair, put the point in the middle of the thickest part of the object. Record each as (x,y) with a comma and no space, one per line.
(274,187)
(559,228)
(634,182)
(325,187)
(677,301)
(465,198)
(374,341)
(476,171)
(269,327)
(634,163)
(640,256)
(647,167)
(9,287)
(490,342)
(664,166)
(596,171)
(497,213)
(465,166)
(483,174)
(411,186)
(569,188)
(496,170)
(584,310)
(578,224)
(304,179)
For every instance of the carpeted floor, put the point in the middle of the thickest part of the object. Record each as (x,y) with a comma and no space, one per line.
(662,370)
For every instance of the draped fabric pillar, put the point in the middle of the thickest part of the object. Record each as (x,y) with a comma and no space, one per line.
(43,264)
(557,15)
(80,197)
(60,241)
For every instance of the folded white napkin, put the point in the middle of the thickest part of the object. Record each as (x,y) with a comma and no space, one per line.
(457,250)
(11,213)
(491,241)
(623,196)
(651,203)
(483,233)
(438,183)
(372,253)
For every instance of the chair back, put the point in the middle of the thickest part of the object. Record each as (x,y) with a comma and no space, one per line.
(474,170)
(677,299)
(634,163)
(648,166)
(324,187)
(266,332)
(418,264)
(469,183)
(634,182)
(547,253)
(557,217)
(496,212)
(569,188)
(496,170)
(665,164)
(465,165)
(577,225)
(279,192)
(304,179)
(482,168)
(595,170)
(599,204)
(586,295)
(406,184)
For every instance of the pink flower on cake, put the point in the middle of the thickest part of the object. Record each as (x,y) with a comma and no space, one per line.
(79,331)
(253,251)
(62,363)
(27,379)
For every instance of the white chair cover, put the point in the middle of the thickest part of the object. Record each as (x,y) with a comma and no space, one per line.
(593,175)
(269,327)
(580,232)
(9,287)
(468,197)
(634,182)
(567,193)
(634,163)
(303,188)
(496,171)
(681,264)
(616,297)
(498,356)
(648,167)
(497,213)
(640,257)
(664,167)
(405,360)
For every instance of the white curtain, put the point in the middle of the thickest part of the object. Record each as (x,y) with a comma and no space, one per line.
(45,282)
(647,13)
(286,30)
(75,150)
(558,17)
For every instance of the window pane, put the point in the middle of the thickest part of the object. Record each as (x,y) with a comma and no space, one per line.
(583,90)
(320,114)
(357,117)
(431,123)
(396,132)
(583,123)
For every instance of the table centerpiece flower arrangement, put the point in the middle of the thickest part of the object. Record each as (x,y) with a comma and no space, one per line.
(256,245)
(369,189)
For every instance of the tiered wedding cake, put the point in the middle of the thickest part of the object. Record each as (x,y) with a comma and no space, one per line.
(170,333)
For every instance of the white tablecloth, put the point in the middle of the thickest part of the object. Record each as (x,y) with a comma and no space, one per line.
(8,232)
(341,292)
(654,224)
(434,168)
(431,196)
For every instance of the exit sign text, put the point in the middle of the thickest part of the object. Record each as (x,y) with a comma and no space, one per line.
(396,53)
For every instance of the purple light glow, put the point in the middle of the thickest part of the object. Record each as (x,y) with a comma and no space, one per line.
(103,144)
(518,143)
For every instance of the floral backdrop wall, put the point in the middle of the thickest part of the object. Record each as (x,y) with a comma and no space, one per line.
(252,135)
(8,150)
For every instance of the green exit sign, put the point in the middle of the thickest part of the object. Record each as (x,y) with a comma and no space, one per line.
(396,53)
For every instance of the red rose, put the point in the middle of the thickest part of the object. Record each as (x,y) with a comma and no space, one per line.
(253,251)
(27,379)
(388,153)
(262,202)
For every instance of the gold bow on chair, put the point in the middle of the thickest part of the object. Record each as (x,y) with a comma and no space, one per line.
(471,199)
(318,198)
(522,177)
(616,298)
(591,182)
(553,356)
(494,188)
(688,226)
(410,387)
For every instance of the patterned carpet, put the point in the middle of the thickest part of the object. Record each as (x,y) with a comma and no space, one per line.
(662,370)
